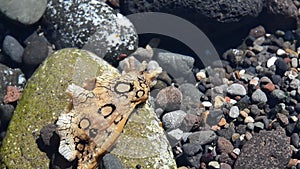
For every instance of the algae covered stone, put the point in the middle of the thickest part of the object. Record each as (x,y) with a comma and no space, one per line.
(44,98)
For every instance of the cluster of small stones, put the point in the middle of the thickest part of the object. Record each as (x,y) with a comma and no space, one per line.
(253,89)
(252,92)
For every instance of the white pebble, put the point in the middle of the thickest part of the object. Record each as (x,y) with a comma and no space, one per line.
(234,112)
(280,52)
(271,61)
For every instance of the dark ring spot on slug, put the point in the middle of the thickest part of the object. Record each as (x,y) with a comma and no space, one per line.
(84,123)
(93,132)
(118,119)
(139,93)
(123,87)
(106,110)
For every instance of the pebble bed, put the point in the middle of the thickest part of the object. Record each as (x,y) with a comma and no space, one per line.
(219,120)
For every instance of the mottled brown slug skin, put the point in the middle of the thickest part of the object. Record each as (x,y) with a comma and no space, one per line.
(98,116)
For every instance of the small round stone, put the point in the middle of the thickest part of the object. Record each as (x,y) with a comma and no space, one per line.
(250,126)
(271,61)
(237,151)
(234,112)
(280,52)
(224,145)
(173,119)
(237,90)
(283,119)
(295,140)
(259,96)
(169,98)
(13,48)
(295,62)
(249,119)
(214,164)
(207,104)
(259,125)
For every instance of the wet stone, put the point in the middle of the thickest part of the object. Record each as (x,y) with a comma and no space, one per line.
(295,140)
(13,48)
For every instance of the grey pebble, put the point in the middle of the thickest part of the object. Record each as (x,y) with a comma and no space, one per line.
(202,137)
(250,126)
(174,136)
(191,149)
(24,11)
(13,48)
(234,112)
(236,90)
(173,119)
(295,140)
(191,97)
(278,94)
(111,162)
(177,65)
(295,83)
(259,96)
(259,125)
(33,55)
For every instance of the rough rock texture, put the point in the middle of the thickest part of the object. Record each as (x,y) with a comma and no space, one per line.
(218,19)
(44,98)
(23,11)
(267,149)
(9,77)
(91,25)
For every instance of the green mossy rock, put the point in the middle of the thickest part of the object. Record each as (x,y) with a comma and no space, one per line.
(44,98)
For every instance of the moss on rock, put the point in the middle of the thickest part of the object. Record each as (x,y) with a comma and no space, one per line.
(44,98)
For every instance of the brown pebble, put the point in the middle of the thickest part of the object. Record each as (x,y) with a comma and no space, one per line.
(12,94)
(225,166)
(293,162)
(233,155)
(224,145)
(222,122)
(283,118)
(257,32)
(269,87)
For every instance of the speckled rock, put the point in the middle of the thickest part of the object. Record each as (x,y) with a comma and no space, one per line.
(232,11)
(24,11)
(177,65)
(173,119)
(259,96)
(43,99)
(10,77)
(202,137)
(266,149)
(169,98)
(91,25)
(236,89)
